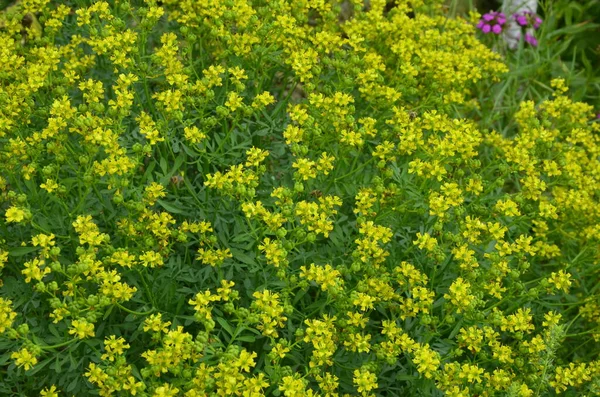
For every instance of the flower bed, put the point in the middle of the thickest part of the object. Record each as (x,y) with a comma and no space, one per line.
(288,198)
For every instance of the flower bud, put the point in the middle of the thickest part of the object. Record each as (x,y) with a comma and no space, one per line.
(23,329)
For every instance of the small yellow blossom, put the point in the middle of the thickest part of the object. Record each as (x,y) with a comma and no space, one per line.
(15,214)
(82,329)
(24,358)
(49,392)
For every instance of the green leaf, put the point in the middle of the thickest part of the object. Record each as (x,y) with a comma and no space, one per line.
(406,377)
(53,330)
(262,132)
(72,385)
(246,338)
(225,325)
(107,313)
(57,365)
(455,330)
(243,257)
(74,363)
(4,358)
(172,208)
(22,251)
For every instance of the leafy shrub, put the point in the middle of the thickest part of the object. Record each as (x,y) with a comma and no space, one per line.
(287,198)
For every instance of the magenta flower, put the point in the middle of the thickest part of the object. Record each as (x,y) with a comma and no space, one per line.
(528,19)
(521,19)
(531,39)
(492,22)
(529,22)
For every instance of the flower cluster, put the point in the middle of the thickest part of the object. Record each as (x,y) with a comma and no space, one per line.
(528,19)
(495,22)
(492,22)
(529,22)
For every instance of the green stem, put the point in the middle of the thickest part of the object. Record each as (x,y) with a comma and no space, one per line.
(227,134)
(41,229)
(134,312)
(252,229)
(147,289)
(590,331)
(56,346)
(82,201)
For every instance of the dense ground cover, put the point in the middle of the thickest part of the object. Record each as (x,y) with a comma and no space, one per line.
(288,197)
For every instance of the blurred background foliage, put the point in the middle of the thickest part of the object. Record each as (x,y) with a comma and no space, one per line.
(569,47)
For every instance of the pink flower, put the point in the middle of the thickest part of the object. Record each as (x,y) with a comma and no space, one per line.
(531,39)
(528,19)
(521,20)
(492,22)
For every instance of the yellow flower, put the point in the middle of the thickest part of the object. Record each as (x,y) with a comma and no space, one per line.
(459,295)
(274,252)
(253,386)
(471,337)
(154,322)
(225,291)
(153,192)
(148,128)
(82,328)
(281,348)
(132,386)
(427,360)
(561,280)
(425,241)
(255,157)
(24,358)
(201,304)
(51,392)
(33,270)
(43,240)
(364,380)
(96,374)
(193,134)
(3,259)
(325,276)
(151,259)
(50,185)
(551,319)
(15,214)
(293,386)
(234,101)
(365,301)
(293,134)
(263,100)
(507,207)
(307,169)
(472,373)
(358,342)
(165,391)
(246,360)
(114,346)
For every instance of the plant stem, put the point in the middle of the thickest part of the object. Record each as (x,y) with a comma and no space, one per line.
(134,312)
